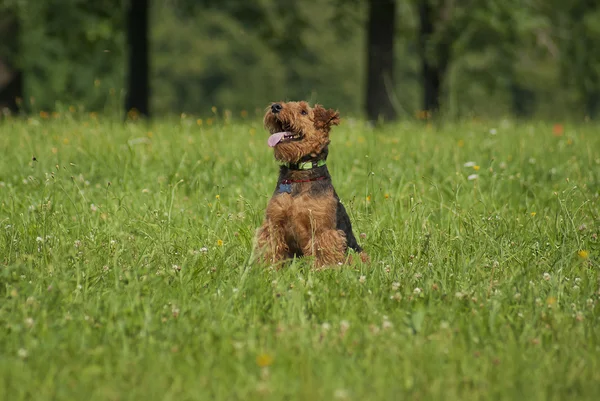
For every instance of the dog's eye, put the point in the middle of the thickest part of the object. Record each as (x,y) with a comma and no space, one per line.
(304,112)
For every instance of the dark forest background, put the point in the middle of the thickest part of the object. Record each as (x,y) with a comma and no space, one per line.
(371,58)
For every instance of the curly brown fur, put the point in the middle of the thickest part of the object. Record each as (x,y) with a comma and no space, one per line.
(305,216)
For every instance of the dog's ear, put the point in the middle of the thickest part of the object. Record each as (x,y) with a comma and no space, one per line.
(325,118)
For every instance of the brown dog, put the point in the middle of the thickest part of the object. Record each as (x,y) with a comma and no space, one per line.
(305,216)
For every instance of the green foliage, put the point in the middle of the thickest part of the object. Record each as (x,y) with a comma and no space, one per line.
(245,59)
(534,57)
(72,52)
(124,269)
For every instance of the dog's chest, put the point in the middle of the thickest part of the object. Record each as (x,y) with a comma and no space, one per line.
(304,211)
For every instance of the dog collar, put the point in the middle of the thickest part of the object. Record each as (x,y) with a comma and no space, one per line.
(309,165)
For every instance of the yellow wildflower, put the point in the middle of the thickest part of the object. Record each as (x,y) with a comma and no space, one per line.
(219,242)
(583,254)
(264,360)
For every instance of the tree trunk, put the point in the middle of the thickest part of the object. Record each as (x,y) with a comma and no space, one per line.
(433,66)
(138,93)
(380,59)
(11,78)
(592,103)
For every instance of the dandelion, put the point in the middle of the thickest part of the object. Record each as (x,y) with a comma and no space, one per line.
(219,242)
(583,254)
(470,164)
(217,197)
(550,301)
(533,214)
(472,177)
(199,121)
(460,143)
(386,196)
(369,198)
(476,168)
(546,276)
(263,360)
(362,279)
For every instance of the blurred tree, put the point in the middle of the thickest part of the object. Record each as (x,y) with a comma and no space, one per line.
(72,53)
(380,60)
(138,83)
(240,55)
(577,34)
(11,77)
(505,33)
(438,26)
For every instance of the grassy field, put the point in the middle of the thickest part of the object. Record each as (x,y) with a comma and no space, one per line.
(125,274)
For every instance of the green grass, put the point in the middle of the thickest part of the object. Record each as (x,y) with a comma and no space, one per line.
(125,275)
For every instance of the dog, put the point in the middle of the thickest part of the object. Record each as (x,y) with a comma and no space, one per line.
(304,216)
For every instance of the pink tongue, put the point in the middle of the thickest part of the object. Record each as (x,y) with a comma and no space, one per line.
(276,138)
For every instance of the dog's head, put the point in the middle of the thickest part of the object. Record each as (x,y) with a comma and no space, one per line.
(298,130)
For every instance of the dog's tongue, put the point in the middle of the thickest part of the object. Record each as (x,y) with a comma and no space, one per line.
(276,138)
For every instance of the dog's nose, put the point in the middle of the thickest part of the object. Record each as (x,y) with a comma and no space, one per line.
(276,108)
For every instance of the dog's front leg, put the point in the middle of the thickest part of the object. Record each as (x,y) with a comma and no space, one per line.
(271,244)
